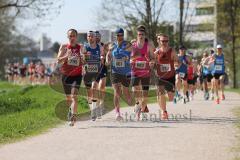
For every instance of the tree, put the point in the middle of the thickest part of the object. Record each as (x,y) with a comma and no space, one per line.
(131,13)
(55,47)
(37,8)
(229,32)
(12,43)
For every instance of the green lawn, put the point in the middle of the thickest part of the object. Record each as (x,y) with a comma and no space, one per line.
(30,110)
(237,114)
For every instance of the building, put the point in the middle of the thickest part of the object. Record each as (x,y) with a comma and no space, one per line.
(45,43)
(201,25)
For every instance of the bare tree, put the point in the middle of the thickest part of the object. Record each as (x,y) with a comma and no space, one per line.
(130,13)
(36,8)
(229,20)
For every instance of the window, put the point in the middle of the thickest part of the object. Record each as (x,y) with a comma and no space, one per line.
(205,11)
(205,27)
(201,44)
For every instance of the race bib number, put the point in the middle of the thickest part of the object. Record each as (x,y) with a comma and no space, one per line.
(165,67)
(182,75)
(140,64)
(73,61)
(218,67)
(92,68)
(119,63)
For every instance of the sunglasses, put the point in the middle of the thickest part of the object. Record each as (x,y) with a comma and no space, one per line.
(164,41)
(119,35)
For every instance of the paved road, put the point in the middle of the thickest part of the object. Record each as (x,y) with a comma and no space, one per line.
(204,131)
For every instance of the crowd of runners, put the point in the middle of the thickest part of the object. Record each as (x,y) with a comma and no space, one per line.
(134,68)
(32,73)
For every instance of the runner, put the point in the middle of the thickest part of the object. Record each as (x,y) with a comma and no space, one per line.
(71,69)
(207,75)
(181,76)
(16,73)
(119,58)
(10,72)
(218,72)
(23,73)
(31,71)
(165,59)
(41,73)
(93,57)
(190,79)
(102,76)
(142,53)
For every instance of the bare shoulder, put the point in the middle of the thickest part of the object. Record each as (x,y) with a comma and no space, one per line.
(63,46)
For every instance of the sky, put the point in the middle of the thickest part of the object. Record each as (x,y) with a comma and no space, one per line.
(78,14)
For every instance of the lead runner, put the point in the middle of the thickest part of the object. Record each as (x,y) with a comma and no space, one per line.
(71,69)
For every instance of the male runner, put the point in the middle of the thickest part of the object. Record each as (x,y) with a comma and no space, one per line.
(207,74)
(119,58)
(103,74)
(71,69)
(94,58)
(165,58)
(181,76)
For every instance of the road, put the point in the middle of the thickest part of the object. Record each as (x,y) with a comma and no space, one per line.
(199,130)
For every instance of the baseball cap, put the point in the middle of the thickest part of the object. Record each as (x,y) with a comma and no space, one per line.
(97,33)
(119,30)
(219,46)
(182,47)
(91,33)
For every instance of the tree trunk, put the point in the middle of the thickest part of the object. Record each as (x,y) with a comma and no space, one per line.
(233,22)
(181,22)
(149,18)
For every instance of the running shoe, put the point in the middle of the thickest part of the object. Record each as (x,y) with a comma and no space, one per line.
(223,97)
(73,120)
(217,100)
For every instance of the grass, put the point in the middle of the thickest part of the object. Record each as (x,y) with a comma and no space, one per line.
(30,110)
(236,112)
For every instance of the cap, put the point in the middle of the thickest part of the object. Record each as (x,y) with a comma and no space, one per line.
(91,33)
(119,30)
(182,47)
(97,33)
(219,46)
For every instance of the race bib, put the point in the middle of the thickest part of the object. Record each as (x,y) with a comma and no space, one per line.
(218,67)
(119,63)
(165,67)
(182,75)
(73,61)
(92,68)
(140,64)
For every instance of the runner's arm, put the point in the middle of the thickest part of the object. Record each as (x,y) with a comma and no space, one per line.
(102,55)
(109,55)
(175,59)
(62,56)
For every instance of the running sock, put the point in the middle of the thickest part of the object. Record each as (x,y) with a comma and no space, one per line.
(94,104)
